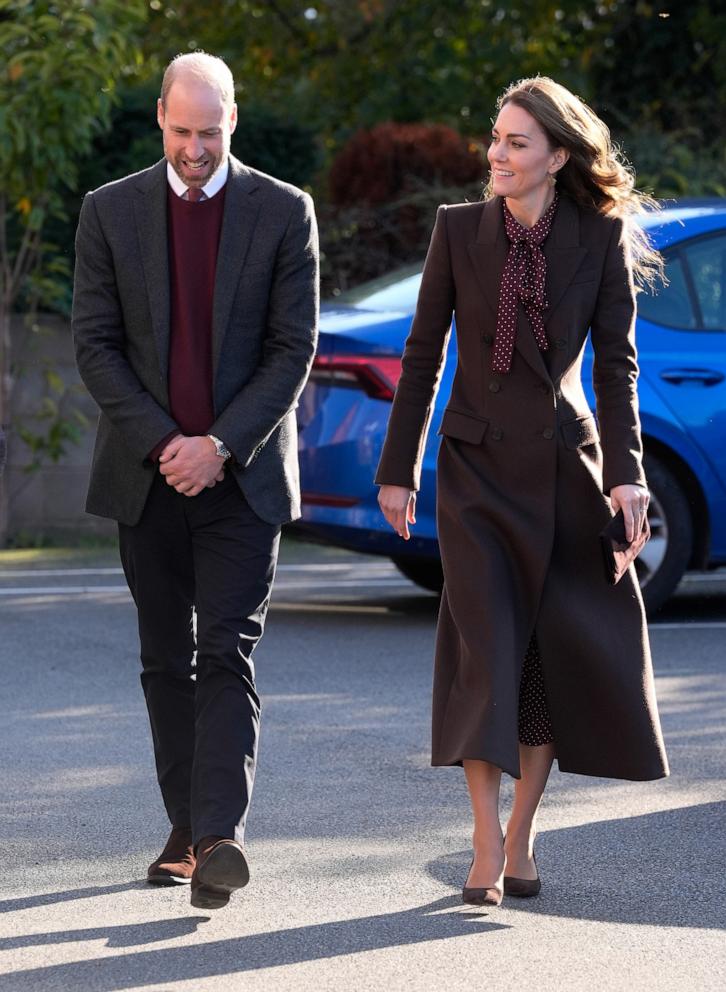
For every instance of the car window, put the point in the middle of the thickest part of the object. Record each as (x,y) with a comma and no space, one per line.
(694,298)
(396,291)
(706,260)
(669,305)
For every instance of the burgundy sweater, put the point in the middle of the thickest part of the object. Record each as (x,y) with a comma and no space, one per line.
(193,237)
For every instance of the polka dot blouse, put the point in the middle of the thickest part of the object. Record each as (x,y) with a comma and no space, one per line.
(523,279)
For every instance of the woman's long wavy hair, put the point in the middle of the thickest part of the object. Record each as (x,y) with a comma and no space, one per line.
(596,174)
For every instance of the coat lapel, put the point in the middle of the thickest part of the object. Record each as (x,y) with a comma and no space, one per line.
(563,252)
(564,256)
(489,252)
(150,215)
(238,227)
(489,255)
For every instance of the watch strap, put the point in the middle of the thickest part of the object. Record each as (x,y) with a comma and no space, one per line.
(221,448)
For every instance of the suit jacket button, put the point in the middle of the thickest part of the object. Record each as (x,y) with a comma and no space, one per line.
(494,387)
(487,339)
(548,433)
(545,388)
(560,343)
(496,434)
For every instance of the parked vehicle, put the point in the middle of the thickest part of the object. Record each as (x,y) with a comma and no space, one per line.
(681,338)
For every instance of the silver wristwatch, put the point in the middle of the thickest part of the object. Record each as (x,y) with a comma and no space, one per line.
(222,449)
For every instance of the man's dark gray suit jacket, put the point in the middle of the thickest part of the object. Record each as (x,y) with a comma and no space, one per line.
(264,334)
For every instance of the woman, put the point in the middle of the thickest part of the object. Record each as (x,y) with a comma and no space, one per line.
(537,656)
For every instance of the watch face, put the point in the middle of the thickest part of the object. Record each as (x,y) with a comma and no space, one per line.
(220,447)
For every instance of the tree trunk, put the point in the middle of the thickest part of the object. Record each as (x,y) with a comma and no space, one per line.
(6,383)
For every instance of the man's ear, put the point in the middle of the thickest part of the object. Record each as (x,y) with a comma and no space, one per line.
(160,113)
(233,119)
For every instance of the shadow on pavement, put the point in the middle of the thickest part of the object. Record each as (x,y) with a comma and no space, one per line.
(130,935)
(652,870)
(252,952)
(49,898)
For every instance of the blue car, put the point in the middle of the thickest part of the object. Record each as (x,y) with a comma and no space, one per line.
(681,337)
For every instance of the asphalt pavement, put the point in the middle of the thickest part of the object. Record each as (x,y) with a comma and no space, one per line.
(358,848)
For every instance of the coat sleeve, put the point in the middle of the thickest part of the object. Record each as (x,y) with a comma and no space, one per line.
(615,369)
(289,345)
(422,364)
(99,341)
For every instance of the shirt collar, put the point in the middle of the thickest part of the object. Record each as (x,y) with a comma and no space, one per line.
(213,186)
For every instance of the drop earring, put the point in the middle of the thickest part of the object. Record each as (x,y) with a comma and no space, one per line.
(552,178)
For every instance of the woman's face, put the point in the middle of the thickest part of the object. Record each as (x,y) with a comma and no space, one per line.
(520,157)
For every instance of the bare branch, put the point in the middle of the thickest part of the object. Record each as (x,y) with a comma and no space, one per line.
(327,51)
(25,259)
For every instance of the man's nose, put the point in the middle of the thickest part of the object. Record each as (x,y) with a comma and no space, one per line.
(194,148)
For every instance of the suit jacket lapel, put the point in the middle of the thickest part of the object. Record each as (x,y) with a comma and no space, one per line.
(238,225)
(150,213)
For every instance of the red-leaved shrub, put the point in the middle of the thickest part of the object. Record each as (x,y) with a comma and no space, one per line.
(380,165)
(385,186)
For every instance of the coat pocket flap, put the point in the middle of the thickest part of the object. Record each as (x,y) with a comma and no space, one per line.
(463,426)
(579,432)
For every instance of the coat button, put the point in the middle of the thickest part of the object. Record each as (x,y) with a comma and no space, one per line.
(496,434)
(487,339)
(494,387)
(560,343)
(548,433)
(544,388)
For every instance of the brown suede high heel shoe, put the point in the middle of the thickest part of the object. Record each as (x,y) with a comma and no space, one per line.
(473,896)
(522,888)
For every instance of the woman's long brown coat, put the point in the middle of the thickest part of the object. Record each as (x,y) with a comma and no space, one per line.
(521,496)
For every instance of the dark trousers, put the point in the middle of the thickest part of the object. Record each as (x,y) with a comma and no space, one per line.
(200,570)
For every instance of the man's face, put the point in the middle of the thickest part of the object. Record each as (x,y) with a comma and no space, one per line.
(197,128)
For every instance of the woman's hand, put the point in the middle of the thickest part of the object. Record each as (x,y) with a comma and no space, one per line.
(398,505)
(633,501)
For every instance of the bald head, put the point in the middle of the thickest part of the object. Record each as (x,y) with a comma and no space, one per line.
(200,68)
(197,115)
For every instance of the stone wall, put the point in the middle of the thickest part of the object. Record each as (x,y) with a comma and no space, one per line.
(48,502)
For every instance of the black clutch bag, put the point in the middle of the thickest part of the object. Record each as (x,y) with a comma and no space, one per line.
(618,553)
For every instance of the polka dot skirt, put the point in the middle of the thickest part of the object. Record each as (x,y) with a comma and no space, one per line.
(534,719)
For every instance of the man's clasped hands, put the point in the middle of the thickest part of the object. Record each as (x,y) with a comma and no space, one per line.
(191,464)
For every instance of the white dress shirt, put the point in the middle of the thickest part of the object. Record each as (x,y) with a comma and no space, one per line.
(213,186)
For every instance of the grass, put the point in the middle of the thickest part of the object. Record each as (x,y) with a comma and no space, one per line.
(102,552)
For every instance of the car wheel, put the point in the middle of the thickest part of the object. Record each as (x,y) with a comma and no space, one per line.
(661,563)
(425,572)
(664,559)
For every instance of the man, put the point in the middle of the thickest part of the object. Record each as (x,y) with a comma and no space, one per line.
(195,320)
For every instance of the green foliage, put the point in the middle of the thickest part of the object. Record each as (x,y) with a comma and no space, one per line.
(363,241)
(310,75)
(61,62)
(50,443)
(57,421)
(277,144)
(677,164)
(345,64)
(664,65)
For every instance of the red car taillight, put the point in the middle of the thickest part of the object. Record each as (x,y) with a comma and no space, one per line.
(376,375)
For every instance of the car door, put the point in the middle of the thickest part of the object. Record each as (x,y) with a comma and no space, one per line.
(682,342)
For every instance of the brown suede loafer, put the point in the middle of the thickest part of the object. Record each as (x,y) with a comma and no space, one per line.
(175,865)
(221,868)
